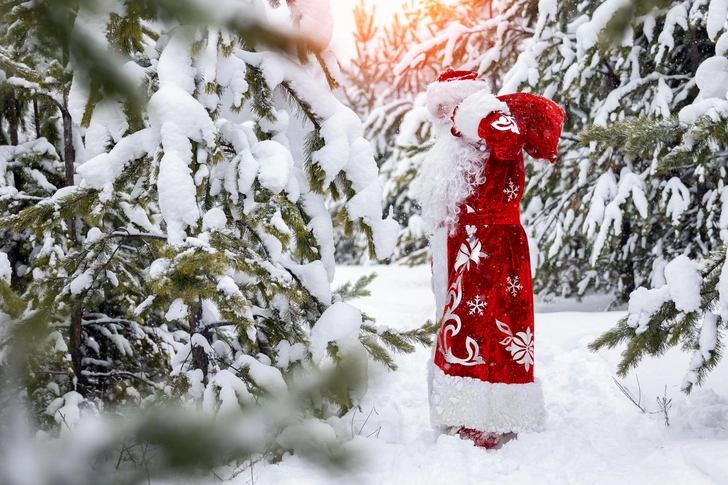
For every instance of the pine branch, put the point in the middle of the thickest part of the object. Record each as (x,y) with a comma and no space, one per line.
(116,373)
(403,341)
(703,143)
(39,217)
(205,329)
(635,136)
(668,327)
(333,83)
(358,289)
(378,353)
(300,104)
(130,235)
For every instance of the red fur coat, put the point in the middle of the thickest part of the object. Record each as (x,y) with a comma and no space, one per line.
(483,371)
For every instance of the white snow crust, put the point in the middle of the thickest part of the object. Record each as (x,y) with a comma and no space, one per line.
(587,34)
(6,271)
(712,78)
(682,285)
(593,434)
(345,147)
(448,36)
(322,229)
(214,219)
(684,279)
(177,310)
(340,324)
(676,198)
(717,17)
(275,164)
(264,375)
(107,167)
(93,235)
(314,277)
(308,436)
(227,285)
(609,218)
(81,282)
(723,293)
(231,393)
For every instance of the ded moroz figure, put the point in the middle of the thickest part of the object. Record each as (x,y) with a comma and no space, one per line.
(481,379)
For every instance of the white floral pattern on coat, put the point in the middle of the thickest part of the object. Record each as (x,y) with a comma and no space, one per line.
(470,252)
(520,345)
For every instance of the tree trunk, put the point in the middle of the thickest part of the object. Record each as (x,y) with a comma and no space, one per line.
(36,118)
(13,118)
(69,155)
(628,268)
(200,360)
(77,317)
(76,354)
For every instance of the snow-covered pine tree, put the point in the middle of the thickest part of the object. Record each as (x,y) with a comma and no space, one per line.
(199,256)
(687,303)
(30,171)
(364,76)
(33,168)
(589,213)
(370,93)
(481,35)
(31,137)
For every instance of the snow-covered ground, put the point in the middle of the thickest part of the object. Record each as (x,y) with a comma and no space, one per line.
(594,435)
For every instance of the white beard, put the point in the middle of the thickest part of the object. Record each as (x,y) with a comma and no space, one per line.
(450,173)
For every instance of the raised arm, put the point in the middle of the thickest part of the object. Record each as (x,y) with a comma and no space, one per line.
(483,116)
(542,119)
(510,123)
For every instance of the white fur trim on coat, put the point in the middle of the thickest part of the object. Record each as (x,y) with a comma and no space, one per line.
(485,406)
(439,270)
(451,93)
(473,109)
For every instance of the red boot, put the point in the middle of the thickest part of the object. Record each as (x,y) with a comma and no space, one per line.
(482,439)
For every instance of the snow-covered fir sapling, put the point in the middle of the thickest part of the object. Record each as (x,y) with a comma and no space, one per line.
(603,218)
(190,257)
(686,301)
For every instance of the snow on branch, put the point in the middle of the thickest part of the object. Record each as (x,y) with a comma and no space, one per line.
(343,150)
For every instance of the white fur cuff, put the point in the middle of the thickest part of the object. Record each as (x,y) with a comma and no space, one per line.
(439,269)
(450,93)
(473,109)
(485,406)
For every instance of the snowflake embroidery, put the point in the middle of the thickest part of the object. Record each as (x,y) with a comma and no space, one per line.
(511,191)
(477,305)
(513,285)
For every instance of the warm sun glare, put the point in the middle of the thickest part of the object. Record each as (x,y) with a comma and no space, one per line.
(343,41)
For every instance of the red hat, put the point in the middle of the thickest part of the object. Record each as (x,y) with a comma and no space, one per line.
(451,74)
